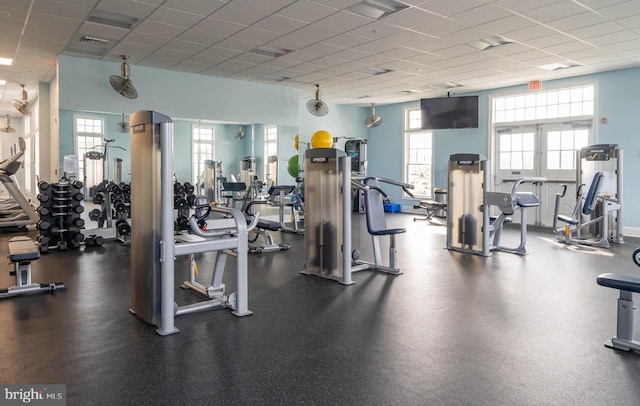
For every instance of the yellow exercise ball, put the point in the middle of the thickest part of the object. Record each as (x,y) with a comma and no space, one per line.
(321,139)
(296,141)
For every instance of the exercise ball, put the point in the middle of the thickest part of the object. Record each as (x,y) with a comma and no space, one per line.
(296,140)
(292,167)
(321,139)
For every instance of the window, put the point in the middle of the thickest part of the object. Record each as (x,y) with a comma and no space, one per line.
(271,154)
(571,102)
(418,151)
(516,150)
(89,133)
(562,146)
(203,150)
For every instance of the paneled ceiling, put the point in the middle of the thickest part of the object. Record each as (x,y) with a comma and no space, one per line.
(427,49)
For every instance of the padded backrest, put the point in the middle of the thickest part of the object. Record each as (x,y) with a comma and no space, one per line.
(374,207)
(592,195)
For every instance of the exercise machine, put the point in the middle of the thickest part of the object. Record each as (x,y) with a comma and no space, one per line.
(508,204)
(22,251)
(155,246)
(356,149)
(15,211)
(328,247)
(467,218)
(434,208)
(596,219)
(276,194)
(627,285)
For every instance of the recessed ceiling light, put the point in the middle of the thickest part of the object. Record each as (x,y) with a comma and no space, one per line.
(376,71)
(3,82)
(377,8)
(489,42)
(271,51)
(6,61)
(557,66)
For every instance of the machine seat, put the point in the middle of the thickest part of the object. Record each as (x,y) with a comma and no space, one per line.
(568,220)
(376,223)
(619,281)
(527,199)
(269,225)
(22,249)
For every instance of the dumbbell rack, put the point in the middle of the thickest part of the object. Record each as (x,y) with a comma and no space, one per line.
(183,198)
(115,204)
(60,225)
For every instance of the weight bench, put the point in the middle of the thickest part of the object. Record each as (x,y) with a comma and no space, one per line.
(624,332)
(22,250)
(432,207)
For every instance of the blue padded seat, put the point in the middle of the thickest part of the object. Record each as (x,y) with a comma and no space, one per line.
(592,195)
(619,281)
(376,223)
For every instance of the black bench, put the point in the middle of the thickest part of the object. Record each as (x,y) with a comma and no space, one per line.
(22,250)
(627,285)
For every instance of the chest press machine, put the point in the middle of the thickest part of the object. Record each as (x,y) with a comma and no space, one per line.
(154,245)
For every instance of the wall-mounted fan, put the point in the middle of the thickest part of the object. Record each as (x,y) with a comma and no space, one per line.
(123,126)
(373,120)
(316,106)
(122,84)
(22,105)
(7,126)
(240,134)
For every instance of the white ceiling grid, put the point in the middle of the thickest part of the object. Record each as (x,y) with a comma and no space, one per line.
(423,46)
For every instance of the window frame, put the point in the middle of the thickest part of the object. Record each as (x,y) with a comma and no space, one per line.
(99,137)
(412,126)
(197,165)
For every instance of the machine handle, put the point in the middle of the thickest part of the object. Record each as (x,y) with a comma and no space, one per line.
(404,189)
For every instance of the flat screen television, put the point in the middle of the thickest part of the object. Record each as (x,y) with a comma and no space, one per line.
(449,112)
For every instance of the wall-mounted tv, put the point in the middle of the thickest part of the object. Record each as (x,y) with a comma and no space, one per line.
(449,112)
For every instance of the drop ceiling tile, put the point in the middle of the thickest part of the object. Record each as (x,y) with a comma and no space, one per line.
(633,44)
(376,30)
(170,54)
(276,23)
(219,53)
(307,11)
(252,58)
(173,17)
(529,33)
(613,38)
(328,61)
(157,62)
(237,44)
(400,53)
(158,29)
(577,21)
(523,6)
(135,9)
(554,11)
(316,32)
(621,10)
(481,15)
(550,40)
(239,14)
(271,6)
(200,37)
(200,7)
(351,54)
(55,9)
(448,8)
(404,37)
(146,39)
(347,40)
(597,30)
(44,25)
(632,22)
(507,24)
(343,21)
(218,27)
(292,41)
(375,47)
(322,49)
(190,67)
(257,35)
(509,49)
(466,35)
(135,51)
(409,18)
(185,46)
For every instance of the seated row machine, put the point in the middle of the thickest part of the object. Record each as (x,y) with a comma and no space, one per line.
(574,225)
(22,250)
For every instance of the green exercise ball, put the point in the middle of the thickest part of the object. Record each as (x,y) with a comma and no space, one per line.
(292,167)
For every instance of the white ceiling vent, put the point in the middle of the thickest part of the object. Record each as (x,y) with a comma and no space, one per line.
(93,40)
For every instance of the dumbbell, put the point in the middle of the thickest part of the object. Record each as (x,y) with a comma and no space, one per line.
(179,202)
(43,239)
(119,206)
(77,184)
(98,198)
(94,240)
(43,211)
(191,198)
(115,189)
(95,214)
(43,197)
(78,197)
(182,222)
(178,188)
(77,222)
(123,227)
(189,188)
(126,188)
(62,245)
(78,209)
(43,225)
(42,185)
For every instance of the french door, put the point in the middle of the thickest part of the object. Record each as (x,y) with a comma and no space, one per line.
(540,150)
